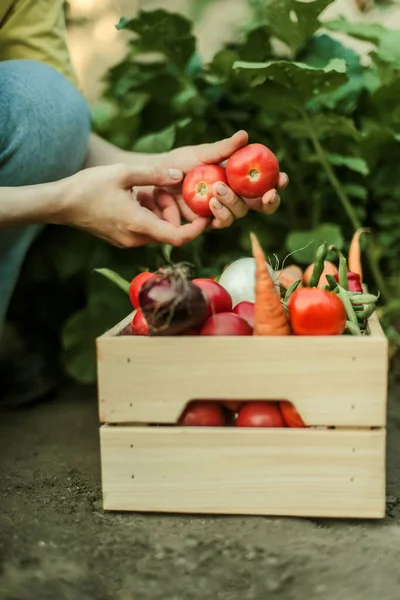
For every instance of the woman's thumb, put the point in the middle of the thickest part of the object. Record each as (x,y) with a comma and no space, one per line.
(151,175)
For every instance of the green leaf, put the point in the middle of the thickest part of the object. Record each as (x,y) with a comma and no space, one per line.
(283,84)
(304,244)
(122,283)
(157,142)
(356,191)
(160,31)
(354,163)
(319,51)
(387,40)
(325,125)
(294,22)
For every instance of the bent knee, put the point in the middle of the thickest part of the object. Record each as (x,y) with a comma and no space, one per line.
(45,124)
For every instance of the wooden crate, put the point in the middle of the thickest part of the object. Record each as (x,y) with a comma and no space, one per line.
(315,472)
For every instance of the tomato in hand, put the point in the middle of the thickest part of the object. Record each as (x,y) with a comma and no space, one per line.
(226,324)
(245,310)
(316,312)
(260,414)
(136,285)
(218,299)
(197,188)
(252,170)
(290,415)
(139,324)
(202,414)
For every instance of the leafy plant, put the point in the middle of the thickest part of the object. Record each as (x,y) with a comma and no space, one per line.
(333,122)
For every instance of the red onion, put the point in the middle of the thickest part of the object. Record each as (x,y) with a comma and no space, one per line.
(171,303)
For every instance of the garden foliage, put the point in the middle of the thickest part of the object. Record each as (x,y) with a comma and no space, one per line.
(331,117)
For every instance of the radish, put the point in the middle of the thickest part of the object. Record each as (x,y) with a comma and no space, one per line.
(239,280)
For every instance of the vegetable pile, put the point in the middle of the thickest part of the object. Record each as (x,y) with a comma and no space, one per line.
(251,298)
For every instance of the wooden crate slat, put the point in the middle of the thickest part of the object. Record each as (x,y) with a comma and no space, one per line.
(285,472)
(338,380)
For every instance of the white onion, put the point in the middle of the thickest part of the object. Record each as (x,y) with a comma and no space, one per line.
(239,279)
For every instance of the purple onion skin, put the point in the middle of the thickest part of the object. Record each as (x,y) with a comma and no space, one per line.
(172,304)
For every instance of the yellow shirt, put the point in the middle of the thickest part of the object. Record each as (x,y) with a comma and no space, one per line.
(35,29)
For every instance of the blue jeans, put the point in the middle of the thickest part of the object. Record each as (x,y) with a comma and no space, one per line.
(44,136)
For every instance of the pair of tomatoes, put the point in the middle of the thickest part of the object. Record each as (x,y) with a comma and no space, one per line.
(249,172)
(249,414)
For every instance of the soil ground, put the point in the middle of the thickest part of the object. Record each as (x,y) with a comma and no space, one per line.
(57,543)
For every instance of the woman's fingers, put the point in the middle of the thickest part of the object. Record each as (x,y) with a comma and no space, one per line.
(270,202)
(168,206)
(148,224)
(230,200)
(283,181)
(146,200)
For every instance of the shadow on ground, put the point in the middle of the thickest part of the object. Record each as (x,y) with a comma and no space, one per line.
(56,543)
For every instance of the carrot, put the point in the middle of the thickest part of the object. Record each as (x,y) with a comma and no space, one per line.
(354,256)
(288,275)
(269,314)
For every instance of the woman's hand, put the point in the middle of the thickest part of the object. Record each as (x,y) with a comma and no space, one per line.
(225,205)
(101,201)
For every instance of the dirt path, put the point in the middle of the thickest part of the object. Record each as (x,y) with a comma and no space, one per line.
(56,543)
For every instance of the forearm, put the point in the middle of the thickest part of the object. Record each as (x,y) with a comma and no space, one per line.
(102,153)
(31,204)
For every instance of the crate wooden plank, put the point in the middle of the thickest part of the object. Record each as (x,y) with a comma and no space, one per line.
(336,380)
(299,473)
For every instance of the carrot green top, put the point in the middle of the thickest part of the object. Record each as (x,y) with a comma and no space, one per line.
(35,29)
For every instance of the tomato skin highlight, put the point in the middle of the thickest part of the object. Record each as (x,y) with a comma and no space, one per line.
(139,324)
(245,310)
(136,285)
(260,414)
(252,170)
(197,188)
(316,312)
(226,324)
(202,414)
(218,299)
(290,415)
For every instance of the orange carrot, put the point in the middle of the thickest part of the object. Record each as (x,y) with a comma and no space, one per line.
(288,275)
(269,314)
(354,256)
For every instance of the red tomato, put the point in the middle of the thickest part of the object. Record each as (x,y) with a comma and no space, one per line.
(139,324)
(245,310)
(290,415)
(197,187)
(252,170)
(316,312)
(226,324)
(260,414)
(233,405)
(136,285)
(202,414)
(218,299)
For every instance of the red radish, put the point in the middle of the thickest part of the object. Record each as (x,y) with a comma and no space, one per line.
(202,414)
(290,415)
(139,324)
(136,285)
(260,414)
(252,170)
(218,299)
(226,324)
(245,310)
(172,304)
(197,188)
